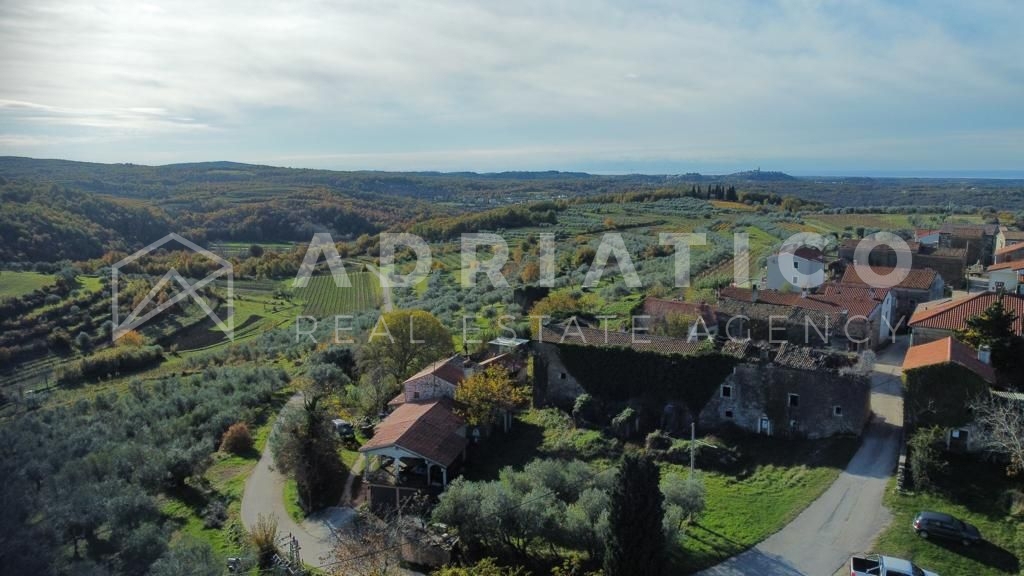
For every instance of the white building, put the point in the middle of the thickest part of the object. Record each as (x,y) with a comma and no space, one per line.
(809,262)
(1005,276)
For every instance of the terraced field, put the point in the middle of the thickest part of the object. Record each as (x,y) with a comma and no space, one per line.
(321,298)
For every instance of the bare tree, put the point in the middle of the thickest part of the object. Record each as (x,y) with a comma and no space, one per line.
(370,548)
(1002,428)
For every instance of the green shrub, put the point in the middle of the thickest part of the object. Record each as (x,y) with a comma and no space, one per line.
(925,456)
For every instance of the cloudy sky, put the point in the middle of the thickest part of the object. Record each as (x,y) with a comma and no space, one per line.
(806,87)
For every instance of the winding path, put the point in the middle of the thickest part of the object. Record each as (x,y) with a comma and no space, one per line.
(264,495)
(848,517)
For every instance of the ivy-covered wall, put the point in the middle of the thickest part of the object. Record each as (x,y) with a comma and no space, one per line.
(941,395)
(623,374)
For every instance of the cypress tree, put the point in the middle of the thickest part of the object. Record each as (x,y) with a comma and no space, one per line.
(636,544)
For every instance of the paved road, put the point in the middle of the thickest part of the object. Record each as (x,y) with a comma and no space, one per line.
(848,517)
(264,495)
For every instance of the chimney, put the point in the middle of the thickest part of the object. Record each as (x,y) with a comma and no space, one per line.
(753,293)
(871,293)
(803,292)
(985,354)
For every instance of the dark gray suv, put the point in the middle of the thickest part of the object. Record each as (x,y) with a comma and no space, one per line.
(939,525)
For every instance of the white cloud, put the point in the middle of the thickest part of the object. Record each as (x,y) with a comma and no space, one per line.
(407,80)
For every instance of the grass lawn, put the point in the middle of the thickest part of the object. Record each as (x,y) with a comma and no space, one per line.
(537,433)
(780,478)
(15,284)
(973,492)
(291,500)
(773,482)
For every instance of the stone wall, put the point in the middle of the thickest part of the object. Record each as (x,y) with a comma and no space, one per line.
(758,392)
(553,383)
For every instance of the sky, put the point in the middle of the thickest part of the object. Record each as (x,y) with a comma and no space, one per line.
(851,87)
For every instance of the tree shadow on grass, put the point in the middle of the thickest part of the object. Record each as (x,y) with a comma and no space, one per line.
(520,445)
(756,451)
(985,553)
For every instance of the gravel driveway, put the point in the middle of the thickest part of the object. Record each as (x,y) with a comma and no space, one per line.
(848,517)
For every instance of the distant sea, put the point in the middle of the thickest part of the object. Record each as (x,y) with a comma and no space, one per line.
(965,174)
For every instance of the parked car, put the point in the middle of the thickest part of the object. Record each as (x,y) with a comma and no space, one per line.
(938,525)
(343,428)
(875,565)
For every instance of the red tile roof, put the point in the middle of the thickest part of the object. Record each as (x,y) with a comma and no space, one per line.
(953,314)
(429,430)
(1010,248)
(660,308)
(507,361)
(917,279)
(448,369)
(856,302)
(947,351)
(583,336)
(1011,265)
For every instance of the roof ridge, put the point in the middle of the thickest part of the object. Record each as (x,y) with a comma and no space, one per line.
(939,309)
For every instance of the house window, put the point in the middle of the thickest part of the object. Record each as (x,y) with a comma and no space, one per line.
(794,425)
(796,265)
(562,376)
(415,395)
(794,280)
(794,400)
(728,413)
(837,410)
(726,391)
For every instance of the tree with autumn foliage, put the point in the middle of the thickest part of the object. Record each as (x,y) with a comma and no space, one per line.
(490,395)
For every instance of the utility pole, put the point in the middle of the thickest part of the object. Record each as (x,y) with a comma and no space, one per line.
(693,445)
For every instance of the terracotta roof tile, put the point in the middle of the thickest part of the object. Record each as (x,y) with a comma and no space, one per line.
(789,355)
(953,314)
(660,308)
(917,278)
(448,369)
(1010,249)
(946,351)
(1011,265)
(805,358)
(966,230)
(855,302)
(428,429)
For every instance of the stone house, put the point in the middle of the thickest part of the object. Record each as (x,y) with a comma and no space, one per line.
(554,383)
(790,391)
(704,319)
(942,378)
(851,317)
(979,240)
(920,285)
(1007,237)
(438,379)
(950,262)
(1009,253)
